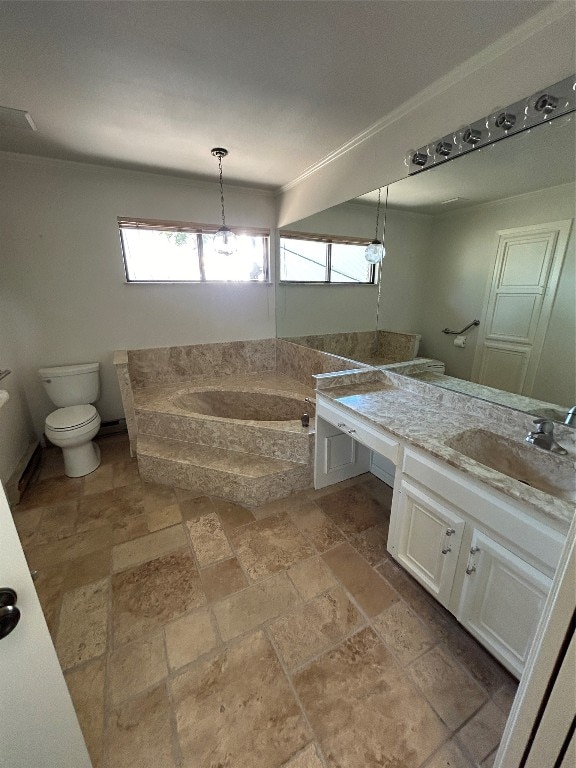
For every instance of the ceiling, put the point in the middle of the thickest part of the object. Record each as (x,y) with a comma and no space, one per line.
(154,85)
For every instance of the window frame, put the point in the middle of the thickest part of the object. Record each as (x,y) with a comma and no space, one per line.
(329,240)
(160,225)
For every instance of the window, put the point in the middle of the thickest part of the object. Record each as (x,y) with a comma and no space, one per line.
(173,252)
(308,258)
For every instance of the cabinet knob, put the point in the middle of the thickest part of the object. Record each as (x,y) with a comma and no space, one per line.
(351,431)
(341,425)
(471,567)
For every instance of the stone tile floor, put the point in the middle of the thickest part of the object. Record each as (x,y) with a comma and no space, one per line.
(197,633)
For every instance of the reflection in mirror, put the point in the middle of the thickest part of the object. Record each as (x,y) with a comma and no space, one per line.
(488,236)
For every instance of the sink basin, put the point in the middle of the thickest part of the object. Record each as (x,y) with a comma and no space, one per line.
(528,464)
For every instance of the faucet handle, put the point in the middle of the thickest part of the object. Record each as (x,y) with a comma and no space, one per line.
(545,426)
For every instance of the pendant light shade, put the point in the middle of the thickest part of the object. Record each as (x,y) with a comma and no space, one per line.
(375,251)
(225,241)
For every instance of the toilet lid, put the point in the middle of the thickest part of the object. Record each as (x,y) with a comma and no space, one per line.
(72,417)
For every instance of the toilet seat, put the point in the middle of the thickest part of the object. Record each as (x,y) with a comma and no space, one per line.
(71,418)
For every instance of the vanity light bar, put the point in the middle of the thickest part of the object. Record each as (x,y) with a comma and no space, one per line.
(543,106)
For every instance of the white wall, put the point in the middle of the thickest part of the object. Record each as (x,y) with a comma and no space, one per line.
(314,309)
(459,269)
(535,55)
(64,273)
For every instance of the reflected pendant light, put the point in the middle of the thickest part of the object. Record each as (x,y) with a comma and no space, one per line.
(225,241)
(375,252)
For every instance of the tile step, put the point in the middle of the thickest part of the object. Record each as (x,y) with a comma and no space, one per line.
(240,477)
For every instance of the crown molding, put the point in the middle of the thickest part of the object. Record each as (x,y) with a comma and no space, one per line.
(527,30)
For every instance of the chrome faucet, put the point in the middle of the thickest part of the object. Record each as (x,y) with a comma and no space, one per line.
(543,437)
(570,419)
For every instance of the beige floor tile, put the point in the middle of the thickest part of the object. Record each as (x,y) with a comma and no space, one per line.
(190,637)
(114,448)
(371,543)
(83,570)
(50,589)
(482,734)
(237,709)
(504,697)
(308,758)
(316,527)
(208,539)
(194,507)
(222,579)
(52,463)
(296,503)
(452,693)
(102,479)
(482,666)
(110,507)
(261,602)
(450,756)
(163,517)
(311,577)
(125,473)
(140,732)
(363,708)
(490,760)
(149,547)
(373,593)
(378,490)
(86,686)
(26,522)
(353,509)
(147,597)
(58,522)
(156,496)
(232,515)
(51,491)
(269,545)
(313,627)
(83,628)
(136,666)
(403,633)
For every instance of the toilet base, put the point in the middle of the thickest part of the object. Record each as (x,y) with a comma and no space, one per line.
(81,459)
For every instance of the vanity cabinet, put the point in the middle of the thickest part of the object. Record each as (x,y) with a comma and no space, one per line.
(482,556)
(344,445)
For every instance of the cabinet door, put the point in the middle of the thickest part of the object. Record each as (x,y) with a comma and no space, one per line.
(428,537)
(502,600)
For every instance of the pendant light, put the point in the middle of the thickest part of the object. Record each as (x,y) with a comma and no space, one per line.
(225,241)
(375,252)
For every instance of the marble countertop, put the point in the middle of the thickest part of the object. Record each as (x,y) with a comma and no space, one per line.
(424,421)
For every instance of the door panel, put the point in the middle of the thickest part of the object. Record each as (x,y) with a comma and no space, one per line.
(502,600)
(428,541)
(38,724)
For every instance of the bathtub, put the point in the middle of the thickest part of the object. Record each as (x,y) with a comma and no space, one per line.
(242,405)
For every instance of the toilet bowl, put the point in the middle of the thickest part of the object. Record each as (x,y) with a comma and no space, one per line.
(73,430)
(73,427)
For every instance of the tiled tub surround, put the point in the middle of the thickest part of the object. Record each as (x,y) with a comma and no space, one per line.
(429,418)
(195,632)
(369,347)
(196,415)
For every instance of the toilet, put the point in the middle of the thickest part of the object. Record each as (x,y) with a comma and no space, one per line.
(75,423)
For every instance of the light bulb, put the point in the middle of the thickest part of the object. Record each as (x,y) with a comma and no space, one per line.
(225,241)
(374,252)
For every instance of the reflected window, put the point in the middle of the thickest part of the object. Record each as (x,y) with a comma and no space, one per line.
(173,252)
(323,259)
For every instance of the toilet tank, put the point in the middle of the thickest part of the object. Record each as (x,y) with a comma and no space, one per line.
(72,384)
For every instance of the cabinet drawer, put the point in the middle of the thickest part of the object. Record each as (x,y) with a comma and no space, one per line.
(536,542)
(371,437)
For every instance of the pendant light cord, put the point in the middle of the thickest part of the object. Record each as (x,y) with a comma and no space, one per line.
(377,213)
(221,190)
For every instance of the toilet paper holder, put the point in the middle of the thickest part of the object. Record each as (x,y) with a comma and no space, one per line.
(459,333)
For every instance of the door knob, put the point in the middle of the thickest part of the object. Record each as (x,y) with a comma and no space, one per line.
(9,613)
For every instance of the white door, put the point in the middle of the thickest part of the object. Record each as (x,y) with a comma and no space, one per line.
(502,600)
(38,724)
(518,305)
(427,540)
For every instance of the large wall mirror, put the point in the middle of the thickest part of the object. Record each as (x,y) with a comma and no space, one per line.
(487,236)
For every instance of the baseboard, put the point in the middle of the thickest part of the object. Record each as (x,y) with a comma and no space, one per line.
(25,471)
(113,427)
